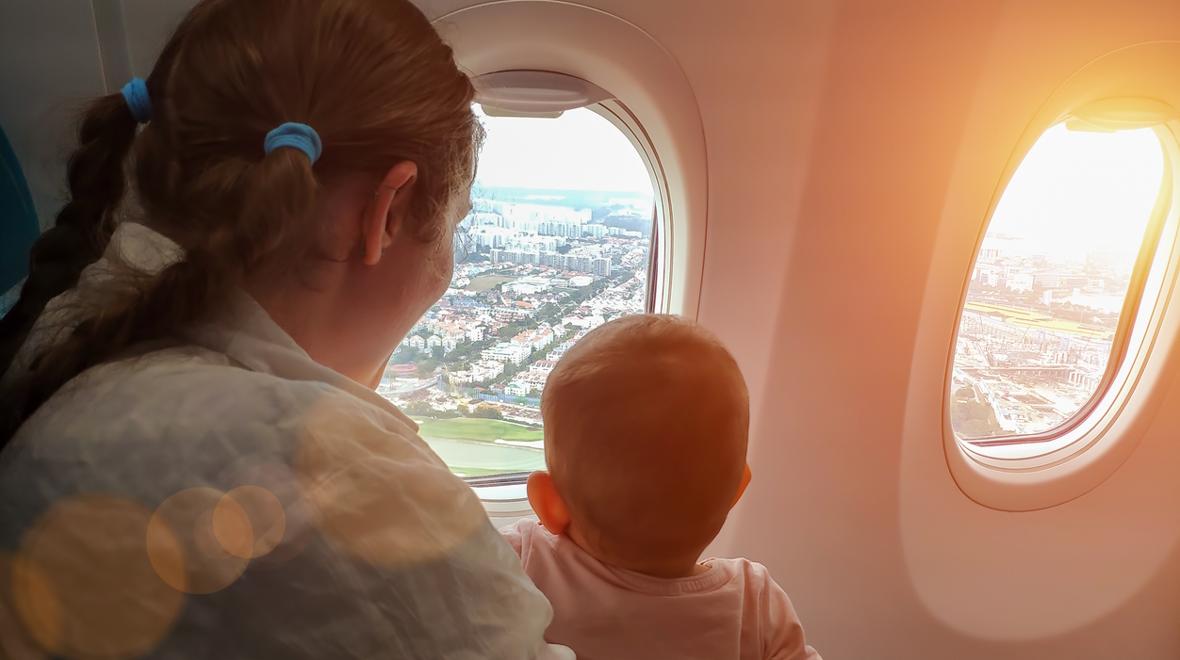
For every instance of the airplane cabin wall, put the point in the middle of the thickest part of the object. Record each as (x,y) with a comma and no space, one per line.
(833,272)
(834,133)
(52,67)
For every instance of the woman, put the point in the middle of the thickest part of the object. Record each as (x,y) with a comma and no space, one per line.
(197,465)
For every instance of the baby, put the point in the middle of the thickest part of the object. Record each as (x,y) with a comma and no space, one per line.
(645,440)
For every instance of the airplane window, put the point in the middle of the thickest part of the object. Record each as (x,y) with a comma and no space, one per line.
(1055,288)
(558,242)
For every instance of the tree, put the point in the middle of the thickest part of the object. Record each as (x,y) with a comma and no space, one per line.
(418,408)
(548,312)
(511,330)
(427,365)
(484,411)
(405,355)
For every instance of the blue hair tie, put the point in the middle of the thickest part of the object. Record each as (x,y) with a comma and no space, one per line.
(295,136)
(138,101)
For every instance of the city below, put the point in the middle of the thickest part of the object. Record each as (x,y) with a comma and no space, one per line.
(537,270)
(1034,340)
(534,272)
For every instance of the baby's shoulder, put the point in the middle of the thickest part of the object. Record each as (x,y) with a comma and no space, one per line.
(768,610)
(739,566)
(526,533)
(754,578)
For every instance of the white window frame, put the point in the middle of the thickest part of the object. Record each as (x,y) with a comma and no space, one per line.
(509,487)
(1125,344)
(1145,75)
(1092,448)
(649,95)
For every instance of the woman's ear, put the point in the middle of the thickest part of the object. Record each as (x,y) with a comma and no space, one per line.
(387,212)
(547,502)
(746,477)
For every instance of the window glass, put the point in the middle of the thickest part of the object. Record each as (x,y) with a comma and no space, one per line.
(556,244)
(1044,305)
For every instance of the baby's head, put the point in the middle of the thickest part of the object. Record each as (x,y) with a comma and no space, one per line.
(646,421)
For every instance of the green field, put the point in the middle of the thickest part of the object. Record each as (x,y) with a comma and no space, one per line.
(468,445)
(484,430)
(470,458)
(485,282)
(1028,318)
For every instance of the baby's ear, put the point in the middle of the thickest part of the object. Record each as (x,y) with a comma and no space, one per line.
(547,502)
(746,477)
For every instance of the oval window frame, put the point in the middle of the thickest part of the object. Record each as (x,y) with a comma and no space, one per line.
(1124,346)
(1102,439)
(649,94)
(499,488)
(650,97)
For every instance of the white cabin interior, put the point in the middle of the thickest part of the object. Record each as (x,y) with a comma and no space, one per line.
(824,174)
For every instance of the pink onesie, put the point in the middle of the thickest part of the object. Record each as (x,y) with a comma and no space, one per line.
(732,611)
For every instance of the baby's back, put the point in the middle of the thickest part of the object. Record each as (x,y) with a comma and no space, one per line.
(732,610)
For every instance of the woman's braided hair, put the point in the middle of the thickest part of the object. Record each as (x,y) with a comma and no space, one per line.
(372,77)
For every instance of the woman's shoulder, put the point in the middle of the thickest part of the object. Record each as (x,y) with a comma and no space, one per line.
(370,522)
(189,389)
(188,416)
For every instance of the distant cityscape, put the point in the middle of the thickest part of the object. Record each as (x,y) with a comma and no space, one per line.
(534,272)
(1035,338)
(537,270)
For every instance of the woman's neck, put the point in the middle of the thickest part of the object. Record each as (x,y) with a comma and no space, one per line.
(331,333)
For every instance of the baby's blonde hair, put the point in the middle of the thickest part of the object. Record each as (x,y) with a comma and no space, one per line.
(646,422)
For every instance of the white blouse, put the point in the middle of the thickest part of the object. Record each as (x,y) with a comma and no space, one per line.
(229,497)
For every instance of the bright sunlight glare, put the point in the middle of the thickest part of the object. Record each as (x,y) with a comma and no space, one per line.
(527,152)
(1078,193)
(1049,286)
